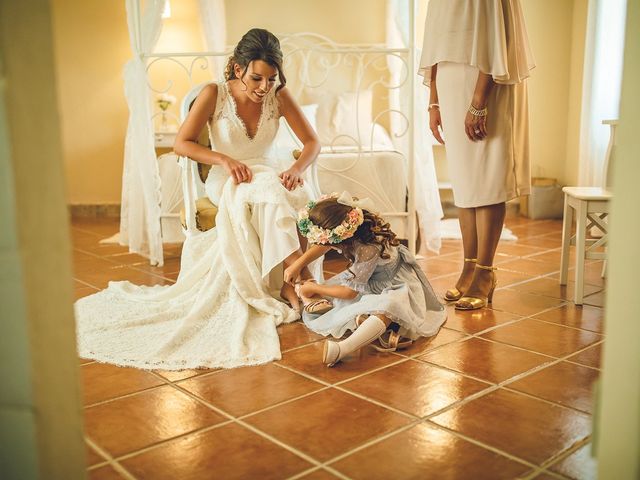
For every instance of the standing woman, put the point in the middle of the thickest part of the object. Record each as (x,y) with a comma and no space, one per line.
(475,59)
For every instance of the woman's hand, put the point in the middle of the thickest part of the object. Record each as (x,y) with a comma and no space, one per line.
(291,179)
(475,126)
(435,123)
(291,274)
(237,170)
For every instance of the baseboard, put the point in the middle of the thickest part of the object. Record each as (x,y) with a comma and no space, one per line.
(109,210)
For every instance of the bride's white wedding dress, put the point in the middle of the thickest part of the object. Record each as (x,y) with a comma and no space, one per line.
(223,310)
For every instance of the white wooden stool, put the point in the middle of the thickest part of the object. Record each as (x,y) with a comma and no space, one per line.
(591,206)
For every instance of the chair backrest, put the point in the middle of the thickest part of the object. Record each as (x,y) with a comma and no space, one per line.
(203,138)
(188,100)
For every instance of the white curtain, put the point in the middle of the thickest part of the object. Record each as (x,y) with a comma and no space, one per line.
(602,81)
(426,194)
(214,29)
(140,210)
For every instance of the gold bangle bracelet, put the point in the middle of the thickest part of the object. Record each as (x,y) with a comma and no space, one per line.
(477,112)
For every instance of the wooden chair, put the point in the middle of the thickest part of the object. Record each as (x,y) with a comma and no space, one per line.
(591,206)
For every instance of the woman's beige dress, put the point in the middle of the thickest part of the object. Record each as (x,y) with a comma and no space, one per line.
(464,37)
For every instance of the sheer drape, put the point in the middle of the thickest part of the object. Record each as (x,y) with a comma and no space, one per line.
(602,81)
(426,194)
(214,29)
(140,210)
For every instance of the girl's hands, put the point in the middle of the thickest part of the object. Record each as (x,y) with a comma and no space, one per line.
(291,275)
(435,124)
(291,179)
(307,289)
(237,170)
(475,127)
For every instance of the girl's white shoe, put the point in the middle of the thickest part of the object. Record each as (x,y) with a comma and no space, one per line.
(367,332)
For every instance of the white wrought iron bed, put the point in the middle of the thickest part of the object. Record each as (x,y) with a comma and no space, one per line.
(369,147)
(352,82)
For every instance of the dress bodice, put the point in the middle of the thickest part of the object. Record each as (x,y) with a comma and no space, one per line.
(228,133)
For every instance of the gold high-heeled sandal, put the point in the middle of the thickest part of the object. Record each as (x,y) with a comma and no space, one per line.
(476,303)
(453,294)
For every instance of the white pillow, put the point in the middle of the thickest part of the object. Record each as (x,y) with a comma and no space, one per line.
(337,116)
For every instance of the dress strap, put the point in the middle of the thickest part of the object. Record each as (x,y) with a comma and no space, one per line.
(272,105)
(220,104)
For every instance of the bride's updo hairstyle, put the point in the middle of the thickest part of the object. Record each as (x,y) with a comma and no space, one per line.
(373,230)
(256,44)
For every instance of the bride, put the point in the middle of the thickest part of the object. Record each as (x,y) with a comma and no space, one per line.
(224,308)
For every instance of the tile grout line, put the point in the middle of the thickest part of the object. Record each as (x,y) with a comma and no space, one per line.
(337,385)
(566,326)
(311,377)
(504,384)
(246,425)
(110,461)
(490,388)
(539,353)
(84,283)
(544,467)
(126,395)
(371,442)
(160,443)
(482,445)
(328,385)
(507,388)
(284,402)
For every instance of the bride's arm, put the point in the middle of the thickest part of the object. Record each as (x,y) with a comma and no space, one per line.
(302,129)
(186,144)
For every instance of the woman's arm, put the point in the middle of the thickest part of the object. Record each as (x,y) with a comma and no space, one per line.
(335,291)
(435,122)
(292,272)
(476,125)
(302,129)
(186,144)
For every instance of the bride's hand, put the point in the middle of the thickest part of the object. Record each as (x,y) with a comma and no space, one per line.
(237,170)
(291,179)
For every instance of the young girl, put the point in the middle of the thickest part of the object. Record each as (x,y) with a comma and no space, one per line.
(382,288)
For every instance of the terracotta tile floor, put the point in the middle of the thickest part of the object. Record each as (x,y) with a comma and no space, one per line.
(499,393)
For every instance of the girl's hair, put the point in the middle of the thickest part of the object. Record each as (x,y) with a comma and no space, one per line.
(374,230)
(256,44)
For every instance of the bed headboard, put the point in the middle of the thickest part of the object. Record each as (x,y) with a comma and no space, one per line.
(364,78)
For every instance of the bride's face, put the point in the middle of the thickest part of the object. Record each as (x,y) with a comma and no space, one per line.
(259,79)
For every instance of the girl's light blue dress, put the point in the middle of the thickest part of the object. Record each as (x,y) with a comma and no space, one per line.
(395,287)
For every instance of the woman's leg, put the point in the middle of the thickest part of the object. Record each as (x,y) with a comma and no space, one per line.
(467,219)
(288,291)
(489,222)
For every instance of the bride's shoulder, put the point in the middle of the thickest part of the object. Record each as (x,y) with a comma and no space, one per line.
(284,99)
(210,91)
(284,95)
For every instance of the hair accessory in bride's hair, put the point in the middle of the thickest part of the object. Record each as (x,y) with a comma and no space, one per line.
(318,235)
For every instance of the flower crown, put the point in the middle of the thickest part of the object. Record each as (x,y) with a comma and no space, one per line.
(318,235)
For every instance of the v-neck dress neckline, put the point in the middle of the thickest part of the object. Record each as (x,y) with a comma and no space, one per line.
(234,109)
